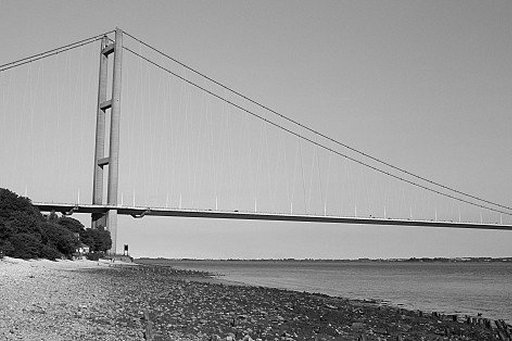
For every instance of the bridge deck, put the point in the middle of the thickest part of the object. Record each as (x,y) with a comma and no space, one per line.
(139,212)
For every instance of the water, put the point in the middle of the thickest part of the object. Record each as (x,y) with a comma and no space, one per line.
(460,288)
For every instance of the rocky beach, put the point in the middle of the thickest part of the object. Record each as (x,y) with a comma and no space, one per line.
(85,300)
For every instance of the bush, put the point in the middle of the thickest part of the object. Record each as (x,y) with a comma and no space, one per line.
(98,239)
(59,238)
(25,246)
(49,252)
(71,224)
(25,233)
(11,203)
(94,255)
(6,230)
(6,248)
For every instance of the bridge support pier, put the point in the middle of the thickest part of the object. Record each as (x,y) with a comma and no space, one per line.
(113,105)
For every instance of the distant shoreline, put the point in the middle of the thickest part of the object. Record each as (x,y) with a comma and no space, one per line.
(368,260)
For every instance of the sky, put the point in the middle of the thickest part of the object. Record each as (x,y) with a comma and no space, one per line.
(424,85)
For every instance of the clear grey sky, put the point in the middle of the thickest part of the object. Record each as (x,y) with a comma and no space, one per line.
(424,85)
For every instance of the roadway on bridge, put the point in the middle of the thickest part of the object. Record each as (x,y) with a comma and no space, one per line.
(139,212)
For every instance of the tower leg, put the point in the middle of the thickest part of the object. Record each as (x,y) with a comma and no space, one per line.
(108,220)
(115,116)
(111,220)
(98,220)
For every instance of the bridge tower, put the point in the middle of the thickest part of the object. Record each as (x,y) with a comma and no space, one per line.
(108,109)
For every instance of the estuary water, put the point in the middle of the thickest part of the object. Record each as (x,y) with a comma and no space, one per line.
(460,288)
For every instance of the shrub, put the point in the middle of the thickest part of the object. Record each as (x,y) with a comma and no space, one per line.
(49,252)
(11,203)
(25,233)
(98,239)
(25,246)
(71,224)
(6,230)
(59,238)
(94,255)
(6,248)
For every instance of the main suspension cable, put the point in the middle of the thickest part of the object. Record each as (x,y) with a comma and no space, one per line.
(316,132)
(314,142)
(52,52)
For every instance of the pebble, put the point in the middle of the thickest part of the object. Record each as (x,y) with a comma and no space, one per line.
(74,302)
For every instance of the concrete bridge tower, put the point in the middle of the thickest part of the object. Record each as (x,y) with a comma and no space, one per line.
(108,109)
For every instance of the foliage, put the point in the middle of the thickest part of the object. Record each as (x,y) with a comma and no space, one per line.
(99,239)
(25,233)
(49,252)
(10,202)
(25,246)
(59,238)
(52,217)
(5,230)
(5,248)
(71,224)
(17,216)
(94,255)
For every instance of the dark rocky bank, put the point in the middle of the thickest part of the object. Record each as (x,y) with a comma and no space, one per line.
(172,304)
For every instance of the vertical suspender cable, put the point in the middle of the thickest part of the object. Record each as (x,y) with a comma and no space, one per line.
(303,178)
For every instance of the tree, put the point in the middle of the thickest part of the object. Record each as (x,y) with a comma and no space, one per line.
(6,247)
(59,238)
(25,246)
(104,240)
(11,202)
(49,253)
(87,237)
(6,230)
(17,215)
(52,217)
(25,233)
(71,224)
(98,239)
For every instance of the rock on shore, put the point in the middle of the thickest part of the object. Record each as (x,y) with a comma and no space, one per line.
(42,300)
(206,310)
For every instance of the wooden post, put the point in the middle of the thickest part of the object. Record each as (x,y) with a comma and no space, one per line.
(148,327)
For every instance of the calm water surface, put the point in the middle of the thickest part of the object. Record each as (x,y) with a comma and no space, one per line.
(462,288)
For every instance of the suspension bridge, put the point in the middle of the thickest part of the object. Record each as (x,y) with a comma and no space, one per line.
(191,146)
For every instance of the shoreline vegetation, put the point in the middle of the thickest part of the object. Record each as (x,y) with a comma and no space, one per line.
(89,300)
(26,233)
